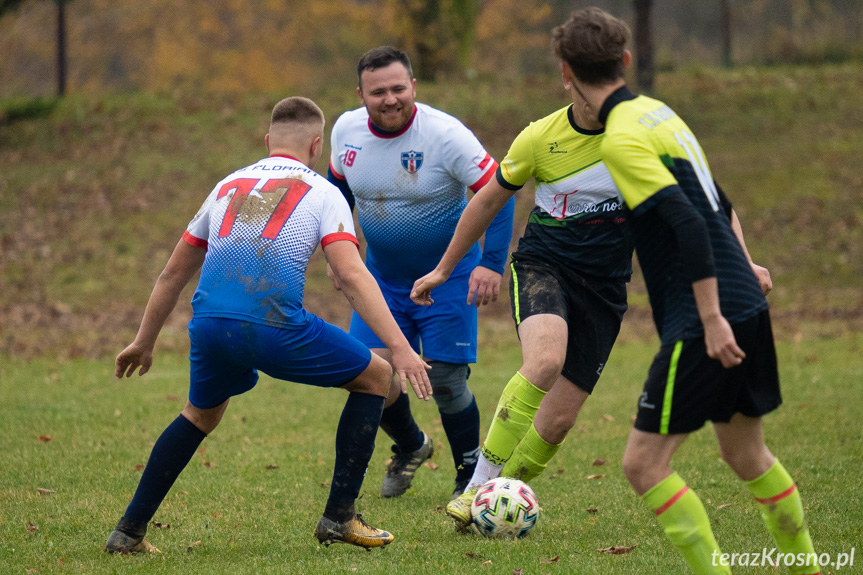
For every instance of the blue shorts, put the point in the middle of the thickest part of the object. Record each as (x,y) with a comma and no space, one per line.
(226,355)
(443,331)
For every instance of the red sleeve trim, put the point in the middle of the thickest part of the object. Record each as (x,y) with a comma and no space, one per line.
(485,177)
(671,501)
(335,173)
(193,241)
(339,236)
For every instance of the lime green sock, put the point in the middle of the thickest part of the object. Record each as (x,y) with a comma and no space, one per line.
(515,412)
(531,456)
(681,514)
(782,512)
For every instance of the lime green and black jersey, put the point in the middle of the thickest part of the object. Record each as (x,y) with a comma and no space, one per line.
(653,157)
(578,221)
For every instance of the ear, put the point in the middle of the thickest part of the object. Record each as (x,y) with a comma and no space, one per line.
(566,74)
(267,142)
(627,58)
(316,147)
(360,94)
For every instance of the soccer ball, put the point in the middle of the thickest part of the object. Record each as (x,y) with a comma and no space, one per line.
(504,508)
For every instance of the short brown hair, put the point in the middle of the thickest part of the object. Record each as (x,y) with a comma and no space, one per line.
(592,42)
(381,57)
(296,109)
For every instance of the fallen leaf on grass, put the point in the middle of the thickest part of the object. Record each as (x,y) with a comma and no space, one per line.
(31,528)
(606,417)
(43,491)
(208,464)
(724,505)
(592,510)
(31,571)
(45,438)
(431,465)
(518,572)
(172,398)
(325,483)
(438,508)
(158,525)
(271,467)
(554,559)
(618,550)
(470,555)
(595,476)
(599,462)
(486,562)
(193,545)
(140,467)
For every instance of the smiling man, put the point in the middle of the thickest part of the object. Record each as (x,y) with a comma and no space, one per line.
(407,168)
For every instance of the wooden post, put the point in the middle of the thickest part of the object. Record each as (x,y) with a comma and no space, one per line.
(61,47)
(644,46)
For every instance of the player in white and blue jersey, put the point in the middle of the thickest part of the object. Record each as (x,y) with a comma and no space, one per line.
(407,167)
(252,240)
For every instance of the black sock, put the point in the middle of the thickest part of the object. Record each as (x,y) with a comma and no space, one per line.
(172,452)
(462,431)
(355,443)
(398,422)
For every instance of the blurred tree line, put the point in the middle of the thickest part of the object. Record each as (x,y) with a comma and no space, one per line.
(266,45)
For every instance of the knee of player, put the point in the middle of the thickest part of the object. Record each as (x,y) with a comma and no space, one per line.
(544,366)
(449,386)
(746,460)
(375,379)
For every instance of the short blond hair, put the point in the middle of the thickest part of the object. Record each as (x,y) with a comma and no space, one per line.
(296,110)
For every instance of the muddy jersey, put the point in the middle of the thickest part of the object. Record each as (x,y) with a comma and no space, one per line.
(578,221)
(410,189)
(260,226)
(652,153)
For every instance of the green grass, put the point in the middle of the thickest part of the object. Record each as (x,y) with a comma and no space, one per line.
(254,492)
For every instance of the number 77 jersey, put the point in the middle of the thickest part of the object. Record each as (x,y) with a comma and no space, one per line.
(260,226)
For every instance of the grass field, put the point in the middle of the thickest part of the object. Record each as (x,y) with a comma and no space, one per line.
(250,498)
(95,192)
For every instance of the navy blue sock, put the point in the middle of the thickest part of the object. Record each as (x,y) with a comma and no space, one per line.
(172,452)
(355,443)
(462,432)
(398,422)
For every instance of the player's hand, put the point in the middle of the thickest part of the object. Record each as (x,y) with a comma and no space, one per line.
(483,286)
(411,368)
(720,343)
(762,274)
(131,358)
(333,279)
(421,292)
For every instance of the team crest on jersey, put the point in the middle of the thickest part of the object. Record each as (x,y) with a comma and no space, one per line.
(412,161)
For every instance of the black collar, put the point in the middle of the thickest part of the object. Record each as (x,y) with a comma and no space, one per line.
(620,95)
(579,129)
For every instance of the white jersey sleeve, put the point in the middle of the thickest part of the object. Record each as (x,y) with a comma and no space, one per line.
(470,163)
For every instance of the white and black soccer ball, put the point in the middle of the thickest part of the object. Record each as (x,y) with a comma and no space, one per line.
(504,508)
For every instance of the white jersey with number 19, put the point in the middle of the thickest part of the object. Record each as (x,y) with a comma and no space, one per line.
(410,187)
